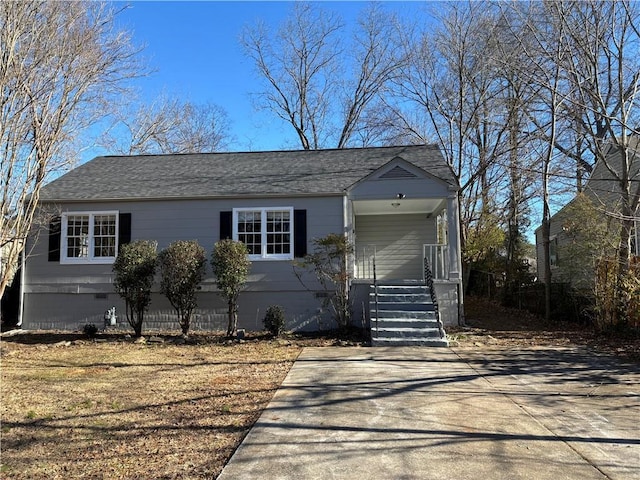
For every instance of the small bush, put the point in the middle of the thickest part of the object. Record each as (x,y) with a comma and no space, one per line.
(274,320)
(90,330)
(328,263)
(231,265)
(182,269)
(134,269)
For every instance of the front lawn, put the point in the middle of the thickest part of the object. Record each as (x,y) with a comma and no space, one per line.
(76,408)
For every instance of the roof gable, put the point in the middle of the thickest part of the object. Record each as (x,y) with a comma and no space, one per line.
(603,185)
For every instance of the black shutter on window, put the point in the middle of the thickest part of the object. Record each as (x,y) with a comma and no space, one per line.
(226,225)
(299,233)
(54,239)
(124,228)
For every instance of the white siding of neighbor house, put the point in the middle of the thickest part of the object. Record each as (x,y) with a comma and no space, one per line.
(69,296)
(398,240)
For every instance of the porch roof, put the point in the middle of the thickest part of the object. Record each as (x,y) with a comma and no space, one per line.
(251,174)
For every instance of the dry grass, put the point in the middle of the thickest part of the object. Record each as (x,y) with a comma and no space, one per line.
(117,409)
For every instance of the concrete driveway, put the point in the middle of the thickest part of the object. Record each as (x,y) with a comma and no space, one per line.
(461,413)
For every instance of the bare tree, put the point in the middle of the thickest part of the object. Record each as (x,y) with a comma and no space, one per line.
(321,87)
(453,86)
(583,58)
(605,70)
(169,126)
(60,64)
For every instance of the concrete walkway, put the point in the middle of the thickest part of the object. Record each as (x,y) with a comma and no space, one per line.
(427,413)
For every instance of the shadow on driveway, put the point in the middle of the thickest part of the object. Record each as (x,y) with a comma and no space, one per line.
(423,413)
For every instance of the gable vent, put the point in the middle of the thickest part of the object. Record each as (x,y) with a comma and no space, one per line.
(397,172)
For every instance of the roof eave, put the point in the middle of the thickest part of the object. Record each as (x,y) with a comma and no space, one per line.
(191,197)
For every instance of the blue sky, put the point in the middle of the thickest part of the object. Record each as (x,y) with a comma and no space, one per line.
(194,50)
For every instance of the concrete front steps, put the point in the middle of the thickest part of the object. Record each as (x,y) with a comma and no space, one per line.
(405,316)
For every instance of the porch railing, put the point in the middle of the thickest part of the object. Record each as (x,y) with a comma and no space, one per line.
(375,294)
(437,256)
(365,261)
(428,280)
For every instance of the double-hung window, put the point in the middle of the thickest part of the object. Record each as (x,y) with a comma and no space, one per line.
(267,232)
(89,237)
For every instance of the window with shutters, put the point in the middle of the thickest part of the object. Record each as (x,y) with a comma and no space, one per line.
(89,237)
(267,232)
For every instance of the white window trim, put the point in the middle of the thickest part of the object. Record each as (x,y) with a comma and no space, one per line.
(90,259)
(263,231)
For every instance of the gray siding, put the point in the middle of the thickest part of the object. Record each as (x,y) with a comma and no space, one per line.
(398,240)
(386,188)
(68,311)
(558,236)
(67,296)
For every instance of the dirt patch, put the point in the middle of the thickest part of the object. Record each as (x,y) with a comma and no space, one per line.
(490,324)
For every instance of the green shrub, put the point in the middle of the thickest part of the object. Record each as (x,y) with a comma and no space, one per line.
(134,269)
(328,263)
(182,269)
(230,262)
(90,330)
(274,320)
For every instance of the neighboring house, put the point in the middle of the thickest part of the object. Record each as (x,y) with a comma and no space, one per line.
(397,204)
(602,192)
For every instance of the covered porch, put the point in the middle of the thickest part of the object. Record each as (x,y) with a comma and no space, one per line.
(401,242)
(404,224)
(395,239)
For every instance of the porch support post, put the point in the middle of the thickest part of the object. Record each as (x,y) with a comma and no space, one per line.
(453,228)
(455,254)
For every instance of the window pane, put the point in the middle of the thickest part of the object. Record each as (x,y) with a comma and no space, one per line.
(104,235)
(77,236)
(278,232)
(249,227)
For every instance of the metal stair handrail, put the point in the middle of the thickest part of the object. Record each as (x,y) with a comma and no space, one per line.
(428,278)
(375,289)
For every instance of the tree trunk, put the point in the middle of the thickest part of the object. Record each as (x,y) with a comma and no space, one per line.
(621,313)
(137,327)
(233,319)
(185,323)
(546,244)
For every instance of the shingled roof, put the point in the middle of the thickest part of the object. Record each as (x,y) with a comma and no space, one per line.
(298,172)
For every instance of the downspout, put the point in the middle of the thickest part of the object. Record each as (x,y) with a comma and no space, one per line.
(23,266)
(455,254)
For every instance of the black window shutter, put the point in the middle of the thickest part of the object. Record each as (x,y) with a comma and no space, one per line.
(124,228)
(299,233)
(226,225)
(54,239)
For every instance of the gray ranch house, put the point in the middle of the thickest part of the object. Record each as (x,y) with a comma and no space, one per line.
(398,205)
